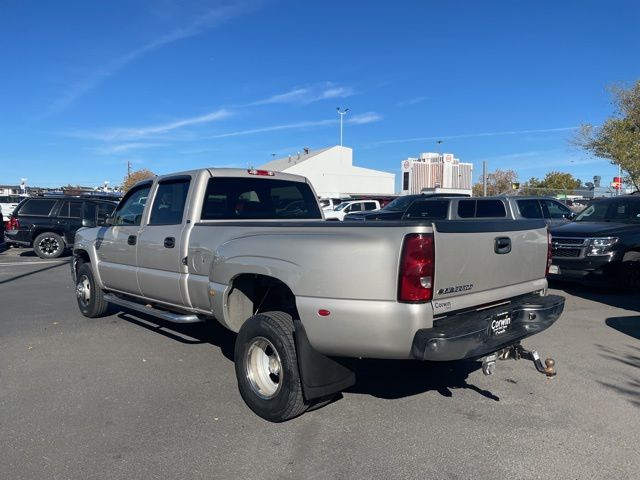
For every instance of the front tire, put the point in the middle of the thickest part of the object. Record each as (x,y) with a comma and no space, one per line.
(631,275)
(266,366)
(48,245)
(90,297)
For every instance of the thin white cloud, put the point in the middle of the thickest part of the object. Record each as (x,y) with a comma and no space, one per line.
(306,95)
(473,135)
(211,19)
(127,147)
(364,118)
(273,128)
(412,101)
(119,134)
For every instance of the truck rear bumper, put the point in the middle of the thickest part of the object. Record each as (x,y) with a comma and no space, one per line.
(477,334)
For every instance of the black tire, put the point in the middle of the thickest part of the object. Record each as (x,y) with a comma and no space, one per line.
(90,297)
(630,278)
(48,245)
(272,334)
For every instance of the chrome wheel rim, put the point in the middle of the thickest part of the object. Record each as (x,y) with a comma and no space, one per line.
(83,290)
(49,245)
(263,368)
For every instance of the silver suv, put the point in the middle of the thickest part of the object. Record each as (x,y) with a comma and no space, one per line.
(553,212)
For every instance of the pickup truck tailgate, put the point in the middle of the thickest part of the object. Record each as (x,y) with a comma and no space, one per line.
(487,256)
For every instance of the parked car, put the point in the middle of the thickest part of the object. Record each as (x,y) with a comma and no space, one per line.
(250,249)
(351,206)
(553,212)
(1,228)
(8,204)
(602,244)
(49,224)
(438,207)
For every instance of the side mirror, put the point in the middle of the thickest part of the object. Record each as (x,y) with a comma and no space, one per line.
(570,215)
(108,220)
(88,223)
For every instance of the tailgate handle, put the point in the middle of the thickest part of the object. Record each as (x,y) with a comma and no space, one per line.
(502,245)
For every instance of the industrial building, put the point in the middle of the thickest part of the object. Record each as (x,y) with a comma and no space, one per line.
(332,173)
(436,170)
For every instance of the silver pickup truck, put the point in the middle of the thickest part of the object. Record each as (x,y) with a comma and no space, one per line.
(250,249)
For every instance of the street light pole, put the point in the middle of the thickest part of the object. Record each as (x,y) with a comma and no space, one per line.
(342,113)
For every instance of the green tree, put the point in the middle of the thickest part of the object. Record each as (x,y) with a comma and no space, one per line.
(618,139)
(135,177)
(498,182)
(553,183)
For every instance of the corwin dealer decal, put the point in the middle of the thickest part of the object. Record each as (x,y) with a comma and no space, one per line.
(456,289)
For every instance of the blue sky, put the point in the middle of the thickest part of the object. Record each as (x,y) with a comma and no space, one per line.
(87,86)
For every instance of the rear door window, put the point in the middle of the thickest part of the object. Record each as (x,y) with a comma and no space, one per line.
(229,198)
(530,208)
(38,207)
(481,209)
(428,210)
(370,206)
(71,209)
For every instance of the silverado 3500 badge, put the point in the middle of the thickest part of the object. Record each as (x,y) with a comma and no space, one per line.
(458,288)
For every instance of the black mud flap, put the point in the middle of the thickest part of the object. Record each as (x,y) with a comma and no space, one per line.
(321,376)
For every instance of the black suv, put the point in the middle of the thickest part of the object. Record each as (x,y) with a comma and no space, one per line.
(410,207)
(49,224)
(601,244)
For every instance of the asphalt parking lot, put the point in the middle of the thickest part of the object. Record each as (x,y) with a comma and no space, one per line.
(127,397)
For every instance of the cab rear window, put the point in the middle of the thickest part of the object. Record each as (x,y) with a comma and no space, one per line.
(229,198)
(481,209)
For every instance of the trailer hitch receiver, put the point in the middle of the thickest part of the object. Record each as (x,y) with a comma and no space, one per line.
(517,351)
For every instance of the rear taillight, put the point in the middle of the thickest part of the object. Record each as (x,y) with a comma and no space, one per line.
(13,224)
(546,272)
(417,266)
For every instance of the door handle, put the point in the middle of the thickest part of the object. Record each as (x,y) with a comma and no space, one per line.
(502,245)
(169,242)
(132,240)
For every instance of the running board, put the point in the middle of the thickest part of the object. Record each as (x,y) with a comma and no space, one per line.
(163,314)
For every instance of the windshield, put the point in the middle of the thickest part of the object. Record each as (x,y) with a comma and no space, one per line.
(621,211)
(342,206)
(399,204)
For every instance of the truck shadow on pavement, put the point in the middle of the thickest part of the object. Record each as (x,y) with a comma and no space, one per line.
(391,379)
(607,295)
(34,272)
(189,333)
(388,379)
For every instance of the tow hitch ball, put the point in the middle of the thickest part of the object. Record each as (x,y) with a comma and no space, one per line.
(516,352)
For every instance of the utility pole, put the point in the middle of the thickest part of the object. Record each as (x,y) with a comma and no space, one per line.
(342,113)
(128,168)
(484,178)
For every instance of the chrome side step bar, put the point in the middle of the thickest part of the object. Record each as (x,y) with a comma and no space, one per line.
(156,312)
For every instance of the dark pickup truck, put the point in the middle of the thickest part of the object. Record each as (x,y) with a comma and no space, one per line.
(602,245)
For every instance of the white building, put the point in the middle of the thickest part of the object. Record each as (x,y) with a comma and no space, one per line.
(332,173)
(435,170)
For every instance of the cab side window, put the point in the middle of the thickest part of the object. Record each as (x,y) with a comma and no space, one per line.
(169,203)
(530,208)
(555,209)
(129,212)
